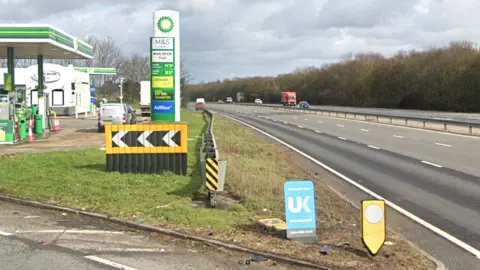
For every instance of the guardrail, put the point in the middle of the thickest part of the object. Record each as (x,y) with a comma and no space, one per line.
(453,126)
(213,169)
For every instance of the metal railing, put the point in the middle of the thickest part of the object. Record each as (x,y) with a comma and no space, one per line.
(209,150)
(469,127)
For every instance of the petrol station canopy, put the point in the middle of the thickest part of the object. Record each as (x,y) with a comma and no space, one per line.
(31,40)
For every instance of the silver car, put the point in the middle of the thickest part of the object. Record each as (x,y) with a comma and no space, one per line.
(112,113)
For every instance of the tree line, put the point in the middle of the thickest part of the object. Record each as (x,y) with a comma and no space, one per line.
(439,78)
(107,53)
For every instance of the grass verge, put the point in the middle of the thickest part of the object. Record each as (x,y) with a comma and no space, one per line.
(78,179)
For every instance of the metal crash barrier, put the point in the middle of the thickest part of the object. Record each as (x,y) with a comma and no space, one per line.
(213,169)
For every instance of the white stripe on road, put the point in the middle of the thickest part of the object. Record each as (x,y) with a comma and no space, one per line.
(109,263)
(402,211)
(442,144)
(305,119)
(130,250)
(374,147)
(320,121)
(318,131)
(397,136)
(285,122)
(342,138)
(300,126)
(432,164)
(340,125)
(365,130)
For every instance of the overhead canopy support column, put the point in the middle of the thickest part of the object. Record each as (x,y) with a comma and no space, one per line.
(11,72)
(42,104)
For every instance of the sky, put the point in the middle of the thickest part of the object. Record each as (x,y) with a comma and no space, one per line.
(237,38)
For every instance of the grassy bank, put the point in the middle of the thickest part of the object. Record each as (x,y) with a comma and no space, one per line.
(78,179)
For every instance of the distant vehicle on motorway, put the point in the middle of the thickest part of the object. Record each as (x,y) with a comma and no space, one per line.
(200,104)
(229,100)
(303,104)
(289,98)
(220,101)
(258,101)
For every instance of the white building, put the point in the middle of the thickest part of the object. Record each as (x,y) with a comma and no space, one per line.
(66,90)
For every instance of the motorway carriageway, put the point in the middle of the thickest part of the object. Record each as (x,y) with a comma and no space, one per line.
(433,175)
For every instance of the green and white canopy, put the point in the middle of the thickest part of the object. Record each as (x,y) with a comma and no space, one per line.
(30,40)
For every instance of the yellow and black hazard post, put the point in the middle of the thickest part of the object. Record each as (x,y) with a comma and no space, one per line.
(146,148)
(211,175)
(373,225)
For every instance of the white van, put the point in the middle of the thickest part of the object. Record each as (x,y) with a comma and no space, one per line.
(112,113)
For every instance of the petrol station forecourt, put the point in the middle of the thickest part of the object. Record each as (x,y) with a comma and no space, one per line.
(36,41)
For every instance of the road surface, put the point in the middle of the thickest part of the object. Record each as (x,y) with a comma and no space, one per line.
(433,175)
(36,239)
(462,117)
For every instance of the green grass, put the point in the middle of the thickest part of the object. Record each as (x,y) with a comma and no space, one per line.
(78,179)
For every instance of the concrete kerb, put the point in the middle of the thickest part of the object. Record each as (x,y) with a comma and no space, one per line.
(144,227)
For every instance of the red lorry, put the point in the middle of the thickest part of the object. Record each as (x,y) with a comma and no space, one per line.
(289,98)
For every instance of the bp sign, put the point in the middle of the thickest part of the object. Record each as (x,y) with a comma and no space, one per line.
(165,67)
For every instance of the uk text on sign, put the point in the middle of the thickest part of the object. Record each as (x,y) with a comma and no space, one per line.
(300,210)
(373,225)
(165,66)
(146,148)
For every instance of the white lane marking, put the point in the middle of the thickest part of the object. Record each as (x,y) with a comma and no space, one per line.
(320,121)
(305,119)
(440,118)
(365,130)
(5,233)
(398,136)
(374,147)
(342,138)
(397,208)
(109,263)
(318,131)
(27,217)
(442,144)
(70,231)
(432,164)
(275,120)
(300,126)
(411,128)
(340,125)
(295,117)
(285,122)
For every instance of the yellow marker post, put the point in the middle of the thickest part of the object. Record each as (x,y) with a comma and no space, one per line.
(373,225)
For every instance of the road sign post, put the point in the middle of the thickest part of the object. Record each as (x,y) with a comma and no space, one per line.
(300,211)
(373,225)
(165,67)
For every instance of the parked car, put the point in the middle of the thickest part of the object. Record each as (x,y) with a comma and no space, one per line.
(303,104)
(220,101)
(258,101)
(112,113)
(132,113)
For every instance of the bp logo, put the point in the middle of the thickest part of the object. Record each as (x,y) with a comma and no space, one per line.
(165,24)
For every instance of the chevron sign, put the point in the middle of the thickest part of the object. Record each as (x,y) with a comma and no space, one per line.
(146,138)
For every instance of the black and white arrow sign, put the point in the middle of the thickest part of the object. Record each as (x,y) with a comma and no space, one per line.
(146,138)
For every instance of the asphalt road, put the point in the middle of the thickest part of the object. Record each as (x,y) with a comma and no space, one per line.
(463,117)
(37,239)
(388,161)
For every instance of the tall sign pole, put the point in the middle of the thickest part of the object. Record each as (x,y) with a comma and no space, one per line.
(165,67)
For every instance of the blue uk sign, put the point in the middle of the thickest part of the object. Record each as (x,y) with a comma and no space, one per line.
(300,210)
